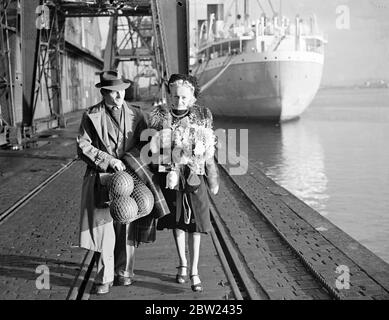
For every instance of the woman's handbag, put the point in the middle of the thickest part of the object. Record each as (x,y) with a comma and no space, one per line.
(192,182)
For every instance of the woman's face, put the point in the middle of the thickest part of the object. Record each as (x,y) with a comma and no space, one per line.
(182,97)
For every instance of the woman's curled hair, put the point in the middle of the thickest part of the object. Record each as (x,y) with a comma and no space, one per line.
(185,77)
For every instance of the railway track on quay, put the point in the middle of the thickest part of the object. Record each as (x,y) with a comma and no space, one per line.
(26,198)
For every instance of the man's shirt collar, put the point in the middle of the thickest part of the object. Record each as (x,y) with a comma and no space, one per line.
(110,107)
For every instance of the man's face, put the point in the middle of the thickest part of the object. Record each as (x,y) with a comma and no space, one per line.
(182,97)
(114,98)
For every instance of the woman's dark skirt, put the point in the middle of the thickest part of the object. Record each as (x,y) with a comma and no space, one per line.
(199,204)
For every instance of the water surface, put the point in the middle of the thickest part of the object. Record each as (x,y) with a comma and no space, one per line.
(335,158)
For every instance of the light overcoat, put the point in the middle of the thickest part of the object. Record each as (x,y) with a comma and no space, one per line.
(96,147)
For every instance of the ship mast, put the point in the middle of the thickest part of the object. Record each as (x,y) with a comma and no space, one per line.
(271,7)
(261,7)
(236,12)
(281,9)
(246,10)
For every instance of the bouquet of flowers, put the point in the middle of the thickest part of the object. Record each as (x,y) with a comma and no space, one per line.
(190,142)
(192,145)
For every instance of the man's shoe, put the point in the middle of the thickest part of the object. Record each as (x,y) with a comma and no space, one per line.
(102,288)
(123,281)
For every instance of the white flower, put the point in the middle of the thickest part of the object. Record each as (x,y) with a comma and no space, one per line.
(172,180)
(166,138)
(199,149)
(193,144)
(184,159)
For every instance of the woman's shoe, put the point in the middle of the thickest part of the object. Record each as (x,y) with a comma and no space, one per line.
(196,287)
(181,278)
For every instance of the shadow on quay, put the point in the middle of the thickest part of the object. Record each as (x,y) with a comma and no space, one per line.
(61,273)
(156,281)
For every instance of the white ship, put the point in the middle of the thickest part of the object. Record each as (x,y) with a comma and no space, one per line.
(269,68)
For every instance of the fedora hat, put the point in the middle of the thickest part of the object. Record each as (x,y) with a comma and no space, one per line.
(110,80)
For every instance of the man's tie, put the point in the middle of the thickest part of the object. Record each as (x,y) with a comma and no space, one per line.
(115,113)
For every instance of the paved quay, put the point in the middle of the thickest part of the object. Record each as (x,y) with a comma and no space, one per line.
(155,270)
(40,237)
(21,171)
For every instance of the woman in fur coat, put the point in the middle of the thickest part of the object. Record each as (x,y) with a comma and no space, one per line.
(184,184)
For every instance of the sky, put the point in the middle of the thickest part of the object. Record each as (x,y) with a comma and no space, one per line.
(354,54)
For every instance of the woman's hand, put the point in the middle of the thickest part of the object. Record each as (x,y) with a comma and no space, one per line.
(215,190)
(172,180)
(166,138)
(154,143)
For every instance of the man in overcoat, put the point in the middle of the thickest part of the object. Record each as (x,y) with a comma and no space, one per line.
(107,131)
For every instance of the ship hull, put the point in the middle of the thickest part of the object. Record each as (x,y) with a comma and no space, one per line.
(277,87)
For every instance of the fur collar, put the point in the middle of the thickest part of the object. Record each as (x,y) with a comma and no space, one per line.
(160,116)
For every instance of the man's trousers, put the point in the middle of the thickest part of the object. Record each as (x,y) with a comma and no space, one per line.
(118,254)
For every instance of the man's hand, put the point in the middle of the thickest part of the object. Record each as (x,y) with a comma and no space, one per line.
(117,165)
(215,190)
